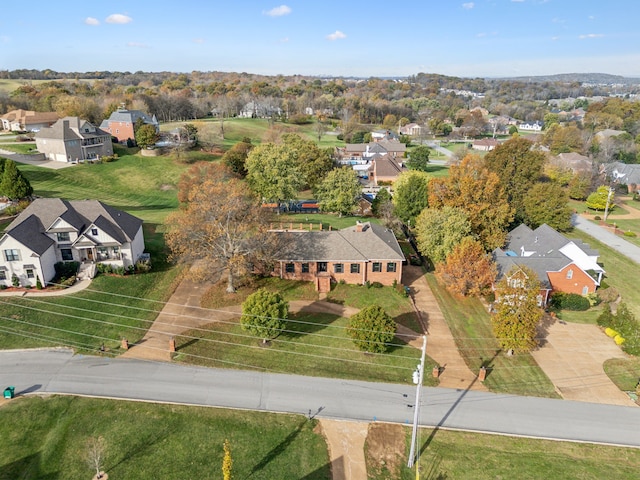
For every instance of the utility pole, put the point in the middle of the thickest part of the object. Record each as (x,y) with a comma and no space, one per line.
(606,210)
(417,378)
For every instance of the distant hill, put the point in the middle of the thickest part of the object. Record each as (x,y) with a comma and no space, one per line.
(594,78)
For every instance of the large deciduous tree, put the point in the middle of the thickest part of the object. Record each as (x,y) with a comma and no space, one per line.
(13,184)
(146,135)
(221,228)
(419,158)
(468,269)
(264,314)
(439,230)
(517,313)
(339,192)
(547,203)
(314,162)
(478,191)
(410,195)
(372,329)
(273,172)
(518,167)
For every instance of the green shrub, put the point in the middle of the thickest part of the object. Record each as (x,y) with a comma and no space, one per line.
(376,285)
(569,301)
(597,217)
(367,284)
(66,269)
(38,284)
(3,287)
(15,281)
(67,282)
(594,299)
(630,234)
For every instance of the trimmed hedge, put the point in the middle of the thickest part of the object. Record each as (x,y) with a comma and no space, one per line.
(570,301)
(626,327)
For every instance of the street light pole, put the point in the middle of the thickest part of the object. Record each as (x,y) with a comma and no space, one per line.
(416,407)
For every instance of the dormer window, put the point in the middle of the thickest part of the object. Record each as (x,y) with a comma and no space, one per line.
(63,236)
(94,232)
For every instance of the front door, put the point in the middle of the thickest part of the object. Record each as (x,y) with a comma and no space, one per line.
(90,254)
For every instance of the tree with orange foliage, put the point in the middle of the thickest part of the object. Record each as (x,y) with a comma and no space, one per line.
(221,228)
(193,178)
(473,188)
(468,270)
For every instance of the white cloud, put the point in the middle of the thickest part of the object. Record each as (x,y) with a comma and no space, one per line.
(278,11)
(337,35)
(591,35)
(137,45)
(468,5)
(198,40)
(118,18)
(91,21)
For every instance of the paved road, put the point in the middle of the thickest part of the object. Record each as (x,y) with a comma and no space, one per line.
(614,241)
(59,371)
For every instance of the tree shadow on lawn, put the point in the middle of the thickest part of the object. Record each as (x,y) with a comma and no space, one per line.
(277,450)
(142,445)
(27,467)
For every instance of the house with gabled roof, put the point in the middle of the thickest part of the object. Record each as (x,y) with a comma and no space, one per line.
(52,230)
(355,151)
(72,139)
(121,123)
(27,120)
(365,252)
(561,264)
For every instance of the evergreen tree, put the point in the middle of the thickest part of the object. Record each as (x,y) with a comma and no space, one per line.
(13,184)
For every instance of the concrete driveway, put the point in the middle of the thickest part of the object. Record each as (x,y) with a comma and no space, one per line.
(572,356)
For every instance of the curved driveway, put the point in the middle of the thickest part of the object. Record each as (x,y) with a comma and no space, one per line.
(59,371)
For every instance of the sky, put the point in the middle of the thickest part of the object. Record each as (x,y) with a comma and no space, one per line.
(482,38)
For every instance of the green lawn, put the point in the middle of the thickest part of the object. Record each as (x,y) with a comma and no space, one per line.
(470,325)
(142,186)
(46,438)
(312,344)
(622,273)
(459,455)
(624,372)
(326,219)
(29,147)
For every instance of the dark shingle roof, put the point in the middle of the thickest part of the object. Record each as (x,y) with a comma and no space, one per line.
(372,243)
(30,226)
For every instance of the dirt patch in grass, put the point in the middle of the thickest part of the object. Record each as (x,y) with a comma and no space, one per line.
(165,187)
(385,450)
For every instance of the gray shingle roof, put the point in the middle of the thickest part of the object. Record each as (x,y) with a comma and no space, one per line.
(373,243)
(130,116)
(30,226)
(71,128)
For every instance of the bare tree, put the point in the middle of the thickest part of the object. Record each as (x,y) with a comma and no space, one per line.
(96,448)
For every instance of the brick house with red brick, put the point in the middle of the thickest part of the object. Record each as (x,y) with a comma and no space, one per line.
(363,253)
(121,123)
(562,265)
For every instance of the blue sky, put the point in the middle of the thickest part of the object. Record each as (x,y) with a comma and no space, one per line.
(494,38)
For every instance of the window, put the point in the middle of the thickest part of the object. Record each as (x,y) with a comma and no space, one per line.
(67,254)
(3,275)
(516,283)
(94,232)
(569,274)
(585,290)
(63,236)
(377,267)
(338,268)
(289,268)
(12,255)
(305,268)
(539,300)
(116,251)
(391,267)
(355,268)
(322,266)
(29,273)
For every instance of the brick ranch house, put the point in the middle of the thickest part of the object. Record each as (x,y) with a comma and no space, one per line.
(562,265)
(52,230)
(363,253)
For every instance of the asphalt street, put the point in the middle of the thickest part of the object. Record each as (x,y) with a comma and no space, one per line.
(612,240)
(59,371)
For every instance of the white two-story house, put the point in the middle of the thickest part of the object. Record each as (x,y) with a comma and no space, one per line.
(52,230)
